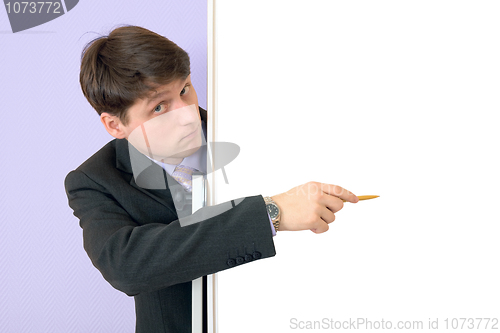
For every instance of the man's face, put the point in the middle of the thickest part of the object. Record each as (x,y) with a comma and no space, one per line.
(166,126)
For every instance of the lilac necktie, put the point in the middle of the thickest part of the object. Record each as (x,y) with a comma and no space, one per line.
(183,175)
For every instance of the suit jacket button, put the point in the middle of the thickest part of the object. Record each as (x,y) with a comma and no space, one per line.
(248,257)
(257,255)
(239,260)
(231,262)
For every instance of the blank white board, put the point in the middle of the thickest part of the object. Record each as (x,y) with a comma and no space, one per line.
(392,98)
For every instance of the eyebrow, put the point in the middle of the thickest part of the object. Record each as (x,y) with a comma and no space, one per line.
(156,97)
(160,95)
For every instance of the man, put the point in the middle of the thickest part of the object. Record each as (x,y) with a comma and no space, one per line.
(139,83)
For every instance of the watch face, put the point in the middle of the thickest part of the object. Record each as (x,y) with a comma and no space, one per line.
(273,210)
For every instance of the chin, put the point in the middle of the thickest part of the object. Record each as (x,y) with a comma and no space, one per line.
(192,151)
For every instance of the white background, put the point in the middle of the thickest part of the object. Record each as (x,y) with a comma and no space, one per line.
(393,98)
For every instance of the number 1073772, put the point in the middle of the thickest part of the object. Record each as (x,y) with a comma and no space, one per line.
(33,7)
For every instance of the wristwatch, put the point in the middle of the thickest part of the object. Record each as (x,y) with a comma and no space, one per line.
(274,212)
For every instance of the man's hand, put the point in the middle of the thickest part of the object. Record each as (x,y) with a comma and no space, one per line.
(311,206)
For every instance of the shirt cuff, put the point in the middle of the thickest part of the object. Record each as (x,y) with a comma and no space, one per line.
(272,226)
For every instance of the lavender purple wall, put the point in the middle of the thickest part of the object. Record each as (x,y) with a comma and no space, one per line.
(48,282)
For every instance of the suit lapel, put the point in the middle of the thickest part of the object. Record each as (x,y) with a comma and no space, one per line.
(151,180)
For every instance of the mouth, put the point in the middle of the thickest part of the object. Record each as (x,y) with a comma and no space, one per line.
(191,134)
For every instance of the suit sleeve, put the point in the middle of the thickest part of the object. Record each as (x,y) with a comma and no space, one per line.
(136,258)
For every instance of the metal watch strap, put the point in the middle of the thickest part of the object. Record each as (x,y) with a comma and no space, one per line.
(276,224)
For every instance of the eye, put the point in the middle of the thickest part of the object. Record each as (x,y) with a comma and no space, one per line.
(185,90)
(159,108)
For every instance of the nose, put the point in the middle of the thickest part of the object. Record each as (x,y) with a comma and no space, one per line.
(188,115)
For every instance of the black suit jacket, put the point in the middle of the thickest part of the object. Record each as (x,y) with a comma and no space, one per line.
(133,237)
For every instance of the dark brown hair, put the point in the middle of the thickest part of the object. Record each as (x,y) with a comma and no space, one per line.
(127,65)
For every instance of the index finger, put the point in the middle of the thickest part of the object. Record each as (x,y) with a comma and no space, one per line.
(339,192)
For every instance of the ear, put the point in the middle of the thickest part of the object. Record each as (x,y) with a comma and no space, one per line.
(113,125)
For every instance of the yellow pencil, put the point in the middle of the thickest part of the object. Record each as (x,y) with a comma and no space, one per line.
(365,197)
